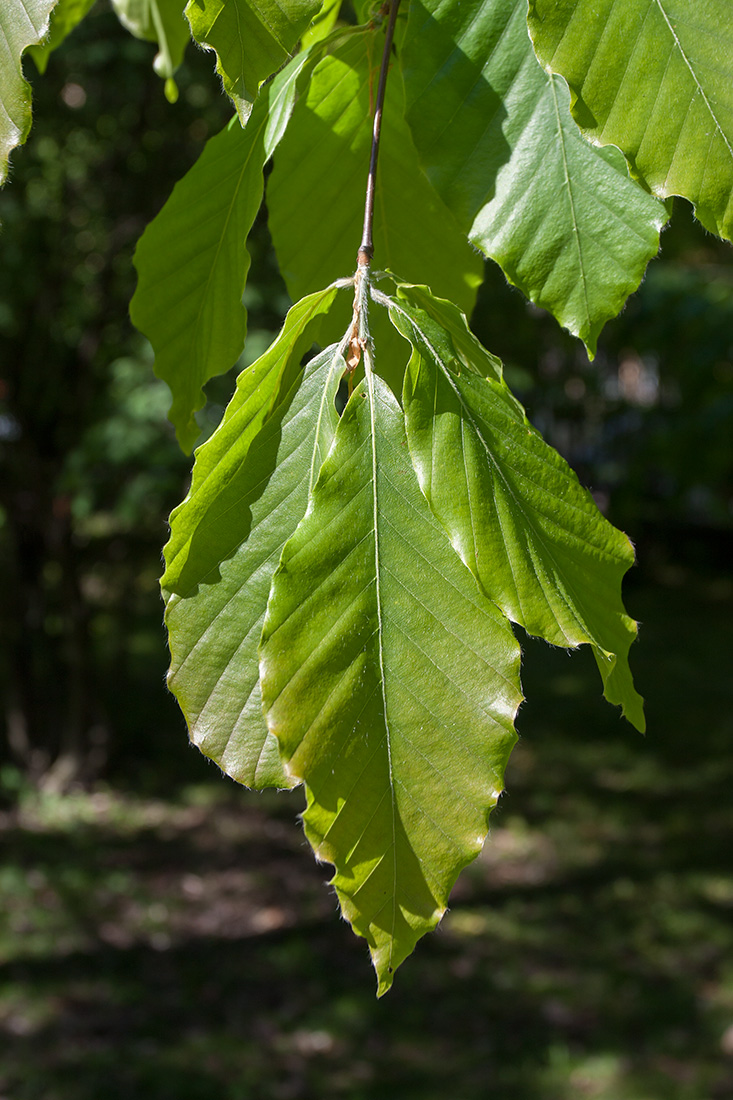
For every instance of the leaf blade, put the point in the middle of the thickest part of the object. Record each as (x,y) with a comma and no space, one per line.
(561,217)
(23,23)
(251,38)
(321,167)
(162,22)
(250,490)
(654,78)
(323,23)
(513,509)
(66,15)
(192,262)
(369,670)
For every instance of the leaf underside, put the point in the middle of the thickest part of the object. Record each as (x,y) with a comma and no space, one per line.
(250,489)
(375,640)
(654,78)
(192,262)
(494,132)
(192,266)
(162,22)
(339,592)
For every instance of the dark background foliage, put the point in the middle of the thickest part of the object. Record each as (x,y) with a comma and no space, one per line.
(167,934)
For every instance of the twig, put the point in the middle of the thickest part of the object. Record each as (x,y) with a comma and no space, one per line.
(357,337)
(366,248)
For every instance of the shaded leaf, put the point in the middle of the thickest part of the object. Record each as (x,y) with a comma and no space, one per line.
(192,262)
(66,15)
(494,132)
(390,683)
(23,23)
(514,510)
(655,78)
(252,39)
(250,489)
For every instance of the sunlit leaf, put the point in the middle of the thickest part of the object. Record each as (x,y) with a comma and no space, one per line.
(390,683)
(323,23)
(494,132)
(252,39)
(66,15)
(22,24)
(655,78)
(250,489)
(513,508)
(467,349)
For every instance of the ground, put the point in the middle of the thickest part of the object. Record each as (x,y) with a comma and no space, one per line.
(182,944)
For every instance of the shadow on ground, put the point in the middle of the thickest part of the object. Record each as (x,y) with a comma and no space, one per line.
(185,947)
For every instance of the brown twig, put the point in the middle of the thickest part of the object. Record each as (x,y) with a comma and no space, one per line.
(366,248)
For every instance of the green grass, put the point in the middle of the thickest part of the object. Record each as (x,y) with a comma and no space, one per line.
(184,946)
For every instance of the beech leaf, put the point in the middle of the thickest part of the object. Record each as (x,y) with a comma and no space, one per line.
(162,22)
(192,262)
(315,195)
(390,683)
(655,78)
(23,23)
(66,15)
(494,132)
(252,40)
(250,488)
(514,510)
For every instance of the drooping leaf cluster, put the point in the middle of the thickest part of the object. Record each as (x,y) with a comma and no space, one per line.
(338,592)
(375,510)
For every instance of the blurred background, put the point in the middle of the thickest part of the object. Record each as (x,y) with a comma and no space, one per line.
(166,934)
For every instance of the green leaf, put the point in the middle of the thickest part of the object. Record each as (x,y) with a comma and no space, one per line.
(513,509)
(250,489)
(655,78)
(390,683)
(192,262)
(252,39)
(66,15)
(315,195)
(467,349)
(494,132)
(23,23)
(323,23)
(244,416)
(159,21)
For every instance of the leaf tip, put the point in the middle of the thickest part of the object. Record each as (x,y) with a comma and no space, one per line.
(385,979)
(633,712)
(186,434)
